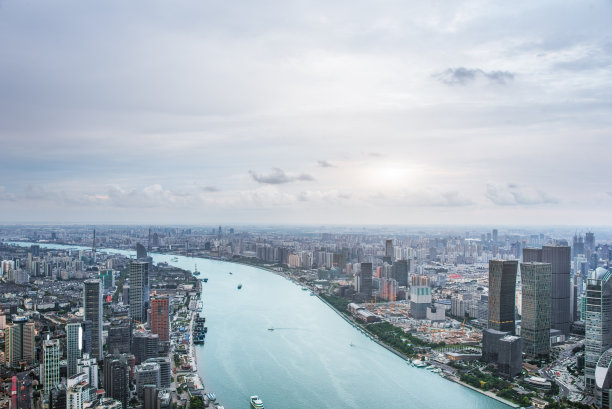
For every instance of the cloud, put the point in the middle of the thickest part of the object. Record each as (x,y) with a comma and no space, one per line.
(278,177)
(463,76)
(423,198)
(210,189)
(325,164)
(326,197)
(514,195)
(6,196)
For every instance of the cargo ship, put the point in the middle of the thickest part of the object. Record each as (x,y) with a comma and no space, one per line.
(199,330)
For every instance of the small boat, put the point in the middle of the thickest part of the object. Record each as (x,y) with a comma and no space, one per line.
(271,329)
(230,272)
(239,286)
(196,272)
(256,403)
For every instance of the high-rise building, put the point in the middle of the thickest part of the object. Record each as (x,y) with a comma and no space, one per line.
(86,337)
(50,371)
(598,323)
(74,346)
(119,339)
(139,290)
(19,342)
(495,236)
(145,345)
(559,258)
(79,391)
(160,318)
(146,374)
(420,297)
(536,279)
(365,286)
(165,370)
(502,293)
(589,241)
(89,366)
(389,255)
(92,303)
(399,272)
(117,378)
(141,251)
(504,349)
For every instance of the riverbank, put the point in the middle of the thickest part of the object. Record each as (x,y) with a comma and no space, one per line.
(231,364)
(487,393)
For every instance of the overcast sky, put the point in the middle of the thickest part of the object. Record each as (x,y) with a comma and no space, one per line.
(344,112)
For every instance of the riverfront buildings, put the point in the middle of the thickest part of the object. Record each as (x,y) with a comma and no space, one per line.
(502,289)
(536,279)
(139,291)
(160,318)
(92,303)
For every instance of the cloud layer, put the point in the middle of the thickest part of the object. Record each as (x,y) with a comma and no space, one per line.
(318,112)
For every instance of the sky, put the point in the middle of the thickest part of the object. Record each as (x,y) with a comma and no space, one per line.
(306,112)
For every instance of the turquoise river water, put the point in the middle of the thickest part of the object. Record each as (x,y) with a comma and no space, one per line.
(312,359)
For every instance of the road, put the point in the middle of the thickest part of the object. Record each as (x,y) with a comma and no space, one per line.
(24,391)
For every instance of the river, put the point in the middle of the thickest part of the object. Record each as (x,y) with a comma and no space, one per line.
(312,359)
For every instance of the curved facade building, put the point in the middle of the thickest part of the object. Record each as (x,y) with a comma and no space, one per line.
(603,379)
(598,325)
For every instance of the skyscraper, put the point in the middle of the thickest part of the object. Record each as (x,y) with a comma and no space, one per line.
(366,280)
(19,342)
(536,279)
(399,272)
(388,251)
(86,337)
(119,339)
(92,303)
(74,346)
(50,371)
(145,345)
(502,292)
(139,290)
(598,323)
(160,321)
(117,378)
(420,297)
(559,258)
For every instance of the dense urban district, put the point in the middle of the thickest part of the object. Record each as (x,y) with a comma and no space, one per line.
(521,315)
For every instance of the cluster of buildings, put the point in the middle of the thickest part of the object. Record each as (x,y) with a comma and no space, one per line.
(100,338)
(520,293)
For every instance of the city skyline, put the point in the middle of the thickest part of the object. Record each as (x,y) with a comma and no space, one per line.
(325,113)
